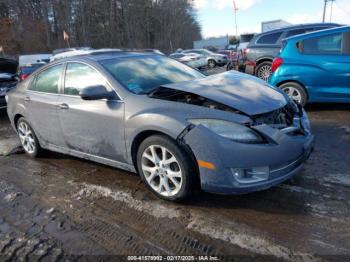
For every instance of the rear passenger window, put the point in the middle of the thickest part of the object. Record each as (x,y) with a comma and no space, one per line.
(79,76)
(48,80)
(323,45)
(269,38)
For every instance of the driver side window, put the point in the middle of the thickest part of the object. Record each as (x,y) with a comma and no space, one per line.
(78,76)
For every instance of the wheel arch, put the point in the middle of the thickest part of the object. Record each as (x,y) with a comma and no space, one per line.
(16,118)
(264,59)
(142,136)
(139,138)
(212,59)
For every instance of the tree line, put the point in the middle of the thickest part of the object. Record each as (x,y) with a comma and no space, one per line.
(32,26)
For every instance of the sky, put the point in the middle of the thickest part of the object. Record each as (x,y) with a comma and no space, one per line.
(217,16)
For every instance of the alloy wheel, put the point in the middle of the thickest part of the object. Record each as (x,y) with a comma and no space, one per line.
(293,93)
(161,170)
(27,137)
(264,72)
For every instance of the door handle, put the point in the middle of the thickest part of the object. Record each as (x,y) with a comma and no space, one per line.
(27,99)
(63,106)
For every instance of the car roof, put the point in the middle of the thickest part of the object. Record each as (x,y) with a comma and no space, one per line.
(319,33)
(118,54)
(194,49)
(104,55)
(62,50)
(299,26)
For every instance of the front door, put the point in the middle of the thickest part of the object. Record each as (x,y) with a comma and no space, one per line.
(95,127)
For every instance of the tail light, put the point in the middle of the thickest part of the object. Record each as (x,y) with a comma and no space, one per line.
(23,76)
(244,52)
(277,62)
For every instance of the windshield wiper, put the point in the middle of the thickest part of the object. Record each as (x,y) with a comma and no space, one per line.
(151,91)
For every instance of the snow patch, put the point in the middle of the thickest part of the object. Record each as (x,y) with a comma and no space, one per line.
(9,145)
(297,189)
(236,234)
(12,196)
(342,179)
(242,237)
(153,209)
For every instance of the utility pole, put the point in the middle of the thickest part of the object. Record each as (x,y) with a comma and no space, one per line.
(325,8)
(235,10)
(330,17)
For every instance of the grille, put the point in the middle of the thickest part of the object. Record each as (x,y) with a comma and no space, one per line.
(280,118)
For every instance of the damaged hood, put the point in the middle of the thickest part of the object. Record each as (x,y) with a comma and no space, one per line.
(8,67)
(238,91)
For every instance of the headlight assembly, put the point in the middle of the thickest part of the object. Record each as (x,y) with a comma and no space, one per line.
(230,130)
(3,91)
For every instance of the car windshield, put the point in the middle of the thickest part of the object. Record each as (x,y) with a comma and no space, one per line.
(143,74)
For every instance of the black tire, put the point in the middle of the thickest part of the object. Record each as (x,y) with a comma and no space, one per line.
(37,149)
(264,70)
(297,88)
(184,160)
(211,63)
(230,66)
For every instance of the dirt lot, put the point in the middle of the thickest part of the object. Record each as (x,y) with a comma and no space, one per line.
(58,206)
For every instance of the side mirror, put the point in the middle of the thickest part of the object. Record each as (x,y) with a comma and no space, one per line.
(96,93)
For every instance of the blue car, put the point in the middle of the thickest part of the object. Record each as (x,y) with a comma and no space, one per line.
(315,67)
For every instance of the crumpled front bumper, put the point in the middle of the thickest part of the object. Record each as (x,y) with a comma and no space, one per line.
(281,158)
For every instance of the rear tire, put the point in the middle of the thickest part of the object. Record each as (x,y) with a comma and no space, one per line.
(28,139)
(264,70)
(295,91)
(211,63)
(166,168)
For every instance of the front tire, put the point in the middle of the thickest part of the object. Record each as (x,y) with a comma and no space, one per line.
(264,70)
(166,168)
(295,91)
(230,66)
(28,139)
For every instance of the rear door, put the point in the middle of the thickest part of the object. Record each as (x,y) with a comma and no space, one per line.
(329,61)
(95,127)
(41,104)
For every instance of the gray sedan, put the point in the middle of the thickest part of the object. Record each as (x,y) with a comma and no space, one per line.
(229,133)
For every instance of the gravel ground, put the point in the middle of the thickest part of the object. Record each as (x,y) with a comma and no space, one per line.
(58,207)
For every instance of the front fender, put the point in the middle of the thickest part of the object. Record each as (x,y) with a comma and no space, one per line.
(156,122)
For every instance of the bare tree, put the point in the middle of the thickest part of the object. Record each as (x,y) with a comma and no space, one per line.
(29,26)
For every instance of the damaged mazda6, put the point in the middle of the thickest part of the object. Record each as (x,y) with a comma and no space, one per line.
(179,130)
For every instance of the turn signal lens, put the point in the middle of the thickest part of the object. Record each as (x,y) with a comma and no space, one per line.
(205,164)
